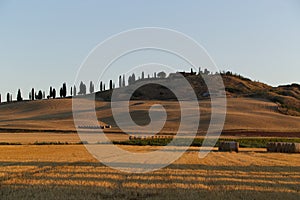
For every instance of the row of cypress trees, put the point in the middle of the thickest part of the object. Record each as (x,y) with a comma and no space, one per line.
(37,95)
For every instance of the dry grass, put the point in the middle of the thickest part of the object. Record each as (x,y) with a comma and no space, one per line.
(242,115)
(69,172)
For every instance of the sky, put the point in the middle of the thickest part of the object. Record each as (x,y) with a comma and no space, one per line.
(43,43)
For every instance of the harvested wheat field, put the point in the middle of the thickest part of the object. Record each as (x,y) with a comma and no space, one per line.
(30,171)
(70,172)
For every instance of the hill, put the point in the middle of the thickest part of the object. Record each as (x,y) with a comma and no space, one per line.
(245,116)
(287,97)
(253,108)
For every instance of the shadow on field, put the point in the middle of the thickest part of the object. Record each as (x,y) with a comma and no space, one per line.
(91,180)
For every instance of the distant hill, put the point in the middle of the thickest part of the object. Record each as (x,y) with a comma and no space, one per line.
(253,108)
(287,97)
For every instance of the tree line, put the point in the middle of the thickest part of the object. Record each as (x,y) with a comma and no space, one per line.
(39,94)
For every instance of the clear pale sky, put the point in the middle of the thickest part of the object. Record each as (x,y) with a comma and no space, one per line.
(43,43)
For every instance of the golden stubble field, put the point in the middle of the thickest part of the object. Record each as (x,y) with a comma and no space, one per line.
(70,172)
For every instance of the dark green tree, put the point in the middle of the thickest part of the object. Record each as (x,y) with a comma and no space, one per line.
(32,94)
(75,91)
(92,88)
(101,86)
(61,92)
(40,95)
(129,80)
(206,71)
(82,88)
(8,97)
(143,75)
(123,81)
(200,71)
(162,74)
(19,96)
(51,92)
(120,81)
(64,90)
(54,93)
(110,84)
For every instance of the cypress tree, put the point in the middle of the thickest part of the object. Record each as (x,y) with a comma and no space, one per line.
(91,87)
(110,85)
(75,91)
(8,97)
(51,92)
(64,90)
(143,75)
(120,81)
(82,88)
(54,93)
(129,80)
(61,92)
(40,94)
(19,96)
(123,82)
(32,94)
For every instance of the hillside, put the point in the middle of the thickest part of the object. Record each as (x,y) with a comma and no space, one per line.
(244,115)
(252,107)
(287,97)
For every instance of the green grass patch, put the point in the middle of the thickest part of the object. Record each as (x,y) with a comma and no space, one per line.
(244,142)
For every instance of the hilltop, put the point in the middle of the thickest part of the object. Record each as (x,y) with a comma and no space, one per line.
(287,97)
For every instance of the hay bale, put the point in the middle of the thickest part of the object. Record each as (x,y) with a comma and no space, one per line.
(283,147)
(278,147)
(229,146)
(107,126)
(295,148)
(287,147)
(271,147)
